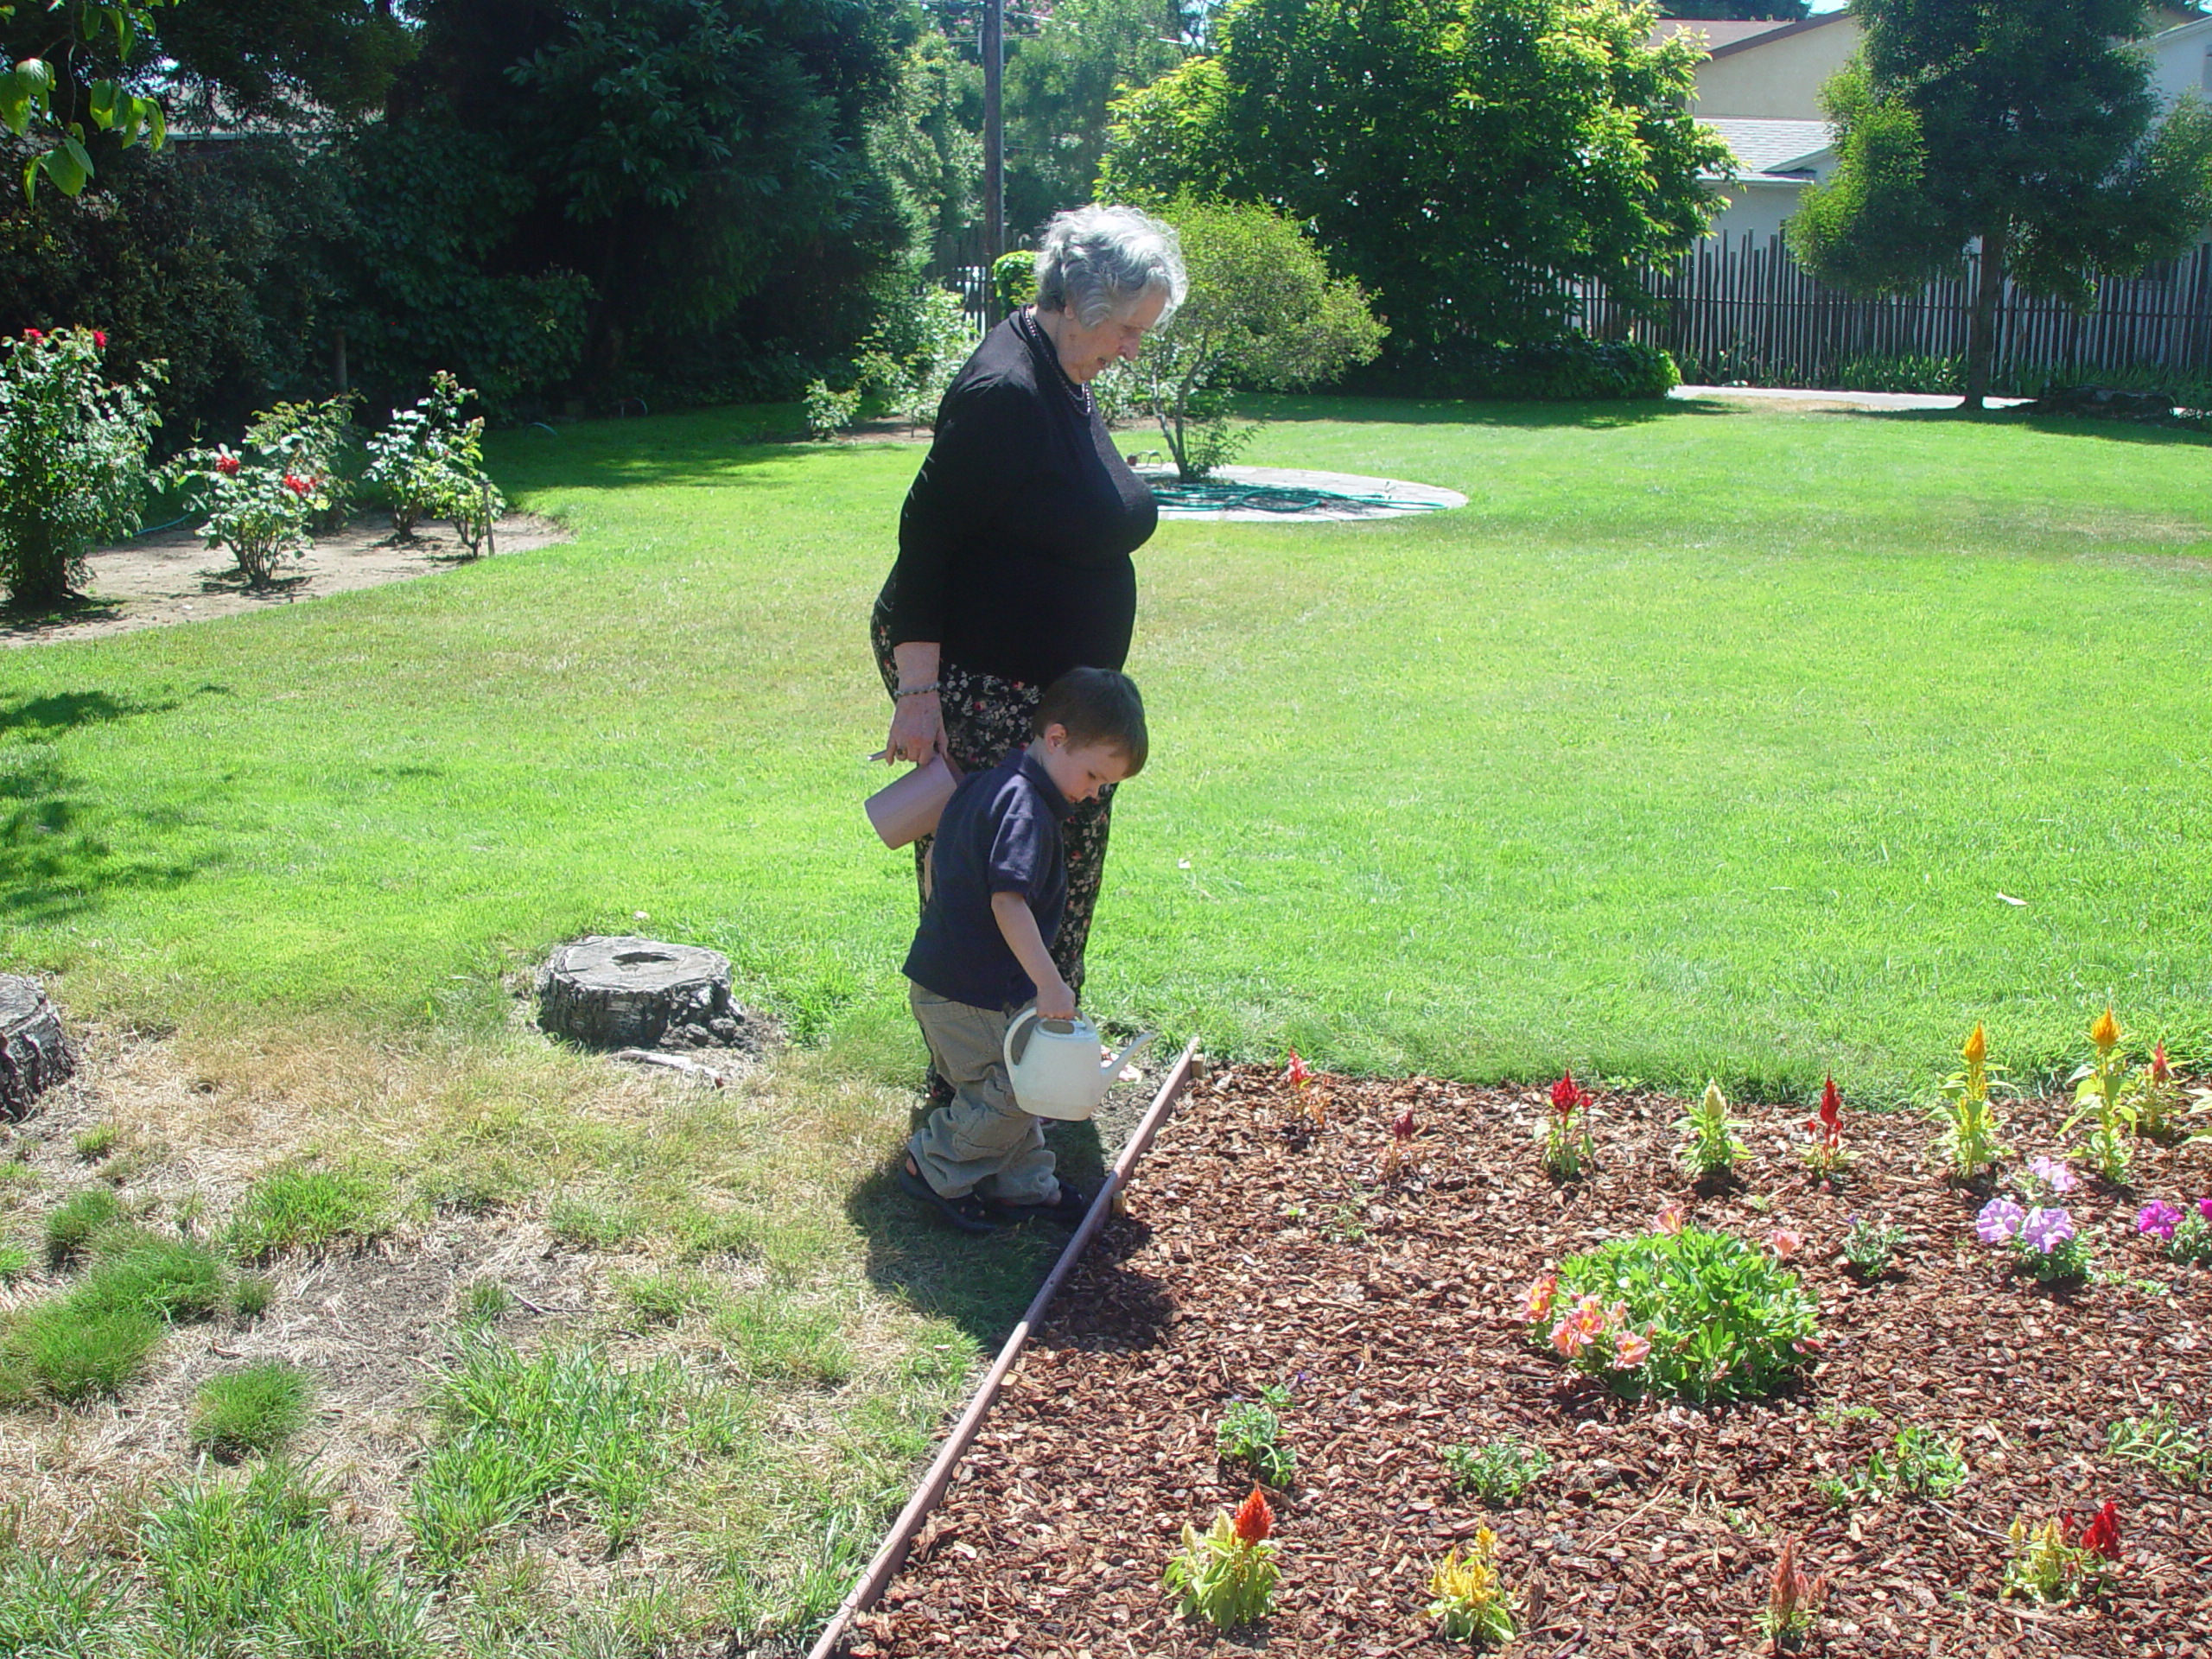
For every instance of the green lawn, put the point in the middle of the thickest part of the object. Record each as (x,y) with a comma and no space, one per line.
(1701,740)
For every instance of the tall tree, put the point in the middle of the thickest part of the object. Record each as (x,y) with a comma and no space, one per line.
(1457,156)
(2028,127)
(1060,84)
(1740,10)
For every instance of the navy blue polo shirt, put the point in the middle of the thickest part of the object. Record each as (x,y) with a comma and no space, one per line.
(1000,833)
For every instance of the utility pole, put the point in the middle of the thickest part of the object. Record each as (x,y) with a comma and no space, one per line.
(993,45)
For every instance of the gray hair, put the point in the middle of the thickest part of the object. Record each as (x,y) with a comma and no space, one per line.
(1095,261)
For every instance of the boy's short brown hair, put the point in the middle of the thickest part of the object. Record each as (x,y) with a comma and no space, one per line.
(1096,705)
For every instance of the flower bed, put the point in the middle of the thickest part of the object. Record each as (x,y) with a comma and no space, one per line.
(1936,1404)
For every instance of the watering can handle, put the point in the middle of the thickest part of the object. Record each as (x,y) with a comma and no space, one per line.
(1027,1014)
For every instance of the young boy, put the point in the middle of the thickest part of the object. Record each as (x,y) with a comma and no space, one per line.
(999,884)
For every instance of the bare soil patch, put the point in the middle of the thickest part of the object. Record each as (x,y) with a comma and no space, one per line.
(1392,1311)
(171,576)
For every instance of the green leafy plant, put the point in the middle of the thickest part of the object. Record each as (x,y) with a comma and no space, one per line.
(1013,280)
(73,455)
(914,352)
(828,411)
(1247,1436)
(251,1293)
(1868,1247)
(2102,1094)
(256,1409)
(319,440)
(1712,1148)
(1920,1463)
(97,1142)
(485,1300)
(429,463)
(258,503)
(1969,1139)
(1472,1604)
(1497,1473)
(2153,1097)
(2163,1443)
(1227,1575)
(2044,1241)
(1694,1314)
(1792,1602)
(2063,1558)
(1569,1148)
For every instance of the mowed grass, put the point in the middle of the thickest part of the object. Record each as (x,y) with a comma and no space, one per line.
(1702,741)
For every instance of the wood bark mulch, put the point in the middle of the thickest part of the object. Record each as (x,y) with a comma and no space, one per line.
(1392,1310)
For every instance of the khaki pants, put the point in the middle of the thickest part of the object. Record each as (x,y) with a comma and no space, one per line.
(981,1142)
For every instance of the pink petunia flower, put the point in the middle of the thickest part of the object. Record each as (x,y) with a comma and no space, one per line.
(2046,1230)
(2160,1218)
(2001,1219)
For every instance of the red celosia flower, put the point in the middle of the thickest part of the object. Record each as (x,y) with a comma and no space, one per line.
(226,464)
(2160,1072)
(1254,1520)
(1828,1125)
(1567,1098)
(2100,1535)
(1298,1077)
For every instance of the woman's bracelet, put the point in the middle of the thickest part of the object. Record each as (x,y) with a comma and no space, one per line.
(914,691)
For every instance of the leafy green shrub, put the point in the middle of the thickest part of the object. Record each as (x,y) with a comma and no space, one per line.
(1905,371)
(305,1210)
(1013,280)
(429,463)
(916,351)
(1722,1321)
(73,459)
(1498,1472)
(256,1409)
(829,412)
(319,440)
(258,502)
(70,1229)
(1573,368)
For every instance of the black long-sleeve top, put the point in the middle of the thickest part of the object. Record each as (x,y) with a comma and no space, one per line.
(1014,542)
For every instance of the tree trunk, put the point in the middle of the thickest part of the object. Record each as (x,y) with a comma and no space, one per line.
(1982,338)
(34,1051)
(633,993)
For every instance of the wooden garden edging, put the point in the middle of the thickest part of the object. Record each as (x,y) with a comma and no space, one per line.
(888,1559)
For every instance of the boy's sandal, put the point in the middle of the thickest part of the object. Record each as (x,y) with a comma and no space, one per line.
(1068,1209)
(967,1212)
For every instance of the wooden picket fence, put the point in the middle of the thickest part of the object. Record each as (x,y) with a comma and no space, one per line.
(1752,313)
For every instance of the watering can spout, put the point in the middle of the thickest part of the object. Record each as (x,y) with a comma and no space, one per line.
(1114,1066)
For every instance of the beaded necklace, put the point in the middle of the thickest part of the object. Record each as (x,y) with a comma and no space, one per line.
(1032,331)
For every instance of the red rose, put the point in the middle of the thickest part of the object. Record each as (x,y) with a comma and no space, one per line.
(226,464)
(296,485)
(100,337)
(33,334)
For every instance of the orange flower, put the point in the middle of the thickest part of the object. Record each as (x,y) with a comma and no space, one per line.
(1540,1297)
(1671,1219)
(1254,1520)
(2106,1032)
(1631,1350)
(1977,1048)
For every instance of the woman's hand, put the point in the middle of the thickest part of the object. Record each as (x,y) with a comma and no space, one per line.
(916,729)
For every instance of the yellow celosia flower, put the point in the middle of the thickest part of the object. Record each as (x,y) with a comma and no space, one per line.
(1977,1048)
(2106,1032)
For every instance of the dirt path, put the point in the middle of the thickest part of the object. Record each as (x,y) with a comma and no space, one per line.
(171,576)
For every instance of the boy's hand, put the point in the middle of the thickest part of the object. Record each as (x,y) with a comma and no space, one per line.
(1055,1000)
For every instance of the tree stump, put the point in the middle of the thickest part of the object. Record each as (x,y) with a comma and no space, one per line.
(633,993)
(33,1051)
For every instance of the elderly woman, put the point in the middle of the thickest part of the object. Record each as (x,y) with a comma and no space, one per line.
(1014,542)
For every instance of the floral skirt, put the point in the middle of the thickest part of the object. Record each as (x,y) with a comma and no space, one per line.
(986,719)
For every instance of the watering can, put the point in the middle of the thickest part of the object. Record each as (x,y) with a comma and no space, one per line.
(1060,1073)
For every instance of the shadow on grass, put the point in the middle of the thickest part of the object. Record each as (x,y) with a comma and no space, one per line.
(1439,412)
(2161,435)
(980,1284)
(55,862)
